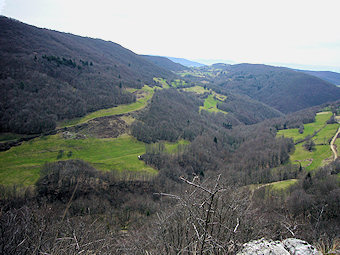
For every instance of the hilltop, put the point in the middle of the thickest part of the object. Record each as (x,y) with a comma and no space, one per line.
(329,76)
(165,63)
(185,62)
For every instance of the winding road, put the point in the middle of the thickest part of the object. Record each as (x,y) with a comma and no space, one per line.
(334,150)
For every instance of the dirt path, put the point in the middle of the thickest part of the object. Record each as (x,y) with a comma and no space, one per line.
(334,150)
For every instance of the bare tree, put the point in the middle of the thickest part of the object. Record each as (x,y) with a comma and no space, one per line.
(207,219)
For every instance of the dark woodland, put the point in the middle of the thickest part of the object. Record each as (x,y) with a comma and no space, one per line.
(202,200)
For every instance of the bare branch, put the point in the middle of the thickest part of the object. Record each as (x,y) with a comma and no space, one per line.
(236,227)
(196,185)
(167,195)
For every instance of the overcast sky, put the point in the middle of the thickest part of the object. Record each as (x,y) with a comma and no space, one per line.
(301,32)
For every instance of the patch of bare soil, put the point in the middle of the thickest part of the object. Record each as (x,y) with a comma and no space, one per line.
(104,127)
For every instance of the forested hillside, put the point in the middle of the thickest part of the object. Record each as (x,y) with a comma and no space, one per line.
(165,63)
(185,62)
(47,76)
(199,162)
(331,77)
(284,89)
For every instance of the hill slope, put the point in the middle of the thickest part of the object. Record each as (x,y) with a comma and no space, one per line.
(331,77)
(185,62)
(165,63)
(284,89)
(47,76)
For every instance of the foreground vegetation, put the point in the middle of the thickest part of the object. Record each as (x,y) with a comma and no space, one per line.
(204,161)
(87,189)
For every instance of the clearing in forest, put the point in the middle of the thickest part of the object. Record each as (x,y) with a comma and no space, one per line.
(162,82)
(309,129)
(322,133)
(143,96)
(210,103)
(178,83)
(22,164)
(167,147)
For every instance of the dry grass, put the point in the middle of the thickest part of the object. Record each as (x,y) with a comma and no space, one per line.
(328,247)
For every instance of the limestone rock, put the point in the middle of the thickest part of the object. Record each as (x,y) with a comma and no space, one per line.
(290,246)
(263,247)
(299,247)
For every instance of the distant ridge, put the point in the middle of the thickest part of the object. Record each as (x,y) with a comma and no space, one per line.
(165,63)
(185,62)
(329,76)
(282,88)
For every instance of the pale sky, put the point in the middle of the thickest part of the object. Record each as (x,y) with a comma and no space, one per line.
(300,32)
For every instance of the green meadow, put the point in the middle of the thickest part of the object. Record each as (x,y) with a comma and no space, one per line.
(22,164)
(210,105)
(282,185)
(174,147)
(162,82)
(196,89)
(322,152)
(326,134)
(309,129)
(167,147)
(178,83)
(194,73)
(141,102)
(317,156)
(274,186)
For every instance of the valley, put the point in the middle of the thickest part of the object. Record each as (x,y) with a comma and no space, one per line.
(105,151)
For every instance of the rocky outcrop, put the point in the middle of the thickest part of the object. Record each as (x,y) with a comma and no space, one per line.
(290,246)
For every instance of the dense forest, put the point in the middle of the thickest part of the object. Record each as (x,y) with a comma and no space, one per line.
(284,89)
(331,77)
(164,63)
(47,76)
(209,195)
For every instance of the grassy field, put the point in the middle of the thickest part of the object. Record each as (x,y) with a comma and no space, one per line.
(194,73)
(210,105)
(309,129)
(322,154)
(22,164)
(201,90)
(178,83)
(167,147)
(337,143)
(173,147)
(282,185)
(197,89)
(141,102)
(317,156)
(326,134)
(275,186)
(162,82)
(131,90)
